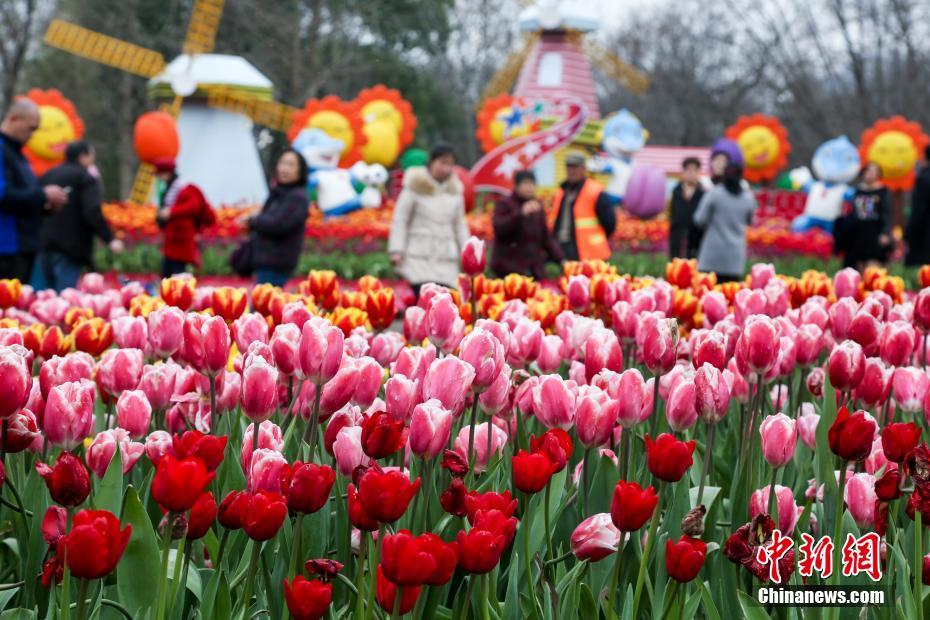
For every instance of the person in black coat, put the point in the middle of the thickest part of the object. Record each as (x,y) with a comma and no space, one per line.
(917,232)
(863,234)
(66,238)
(684,237)
(25,200)
(522,243)
(278,230)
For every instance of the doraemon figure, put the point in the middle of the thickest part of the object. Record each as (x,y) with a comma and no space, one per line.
(624,135)
(836,164)
(335,194)
(373,177)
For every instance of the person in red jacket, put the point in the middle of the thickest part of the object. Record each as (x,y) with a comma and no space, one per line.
(183,211)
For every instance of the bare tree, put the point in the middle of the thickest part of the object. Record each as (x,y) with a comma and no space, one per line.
(18,20)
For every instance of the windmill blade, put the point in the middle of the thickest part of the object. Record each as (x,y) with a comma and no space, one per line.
(503,80)
(269,114)
(145,174)
(103,49)
(202,28)
(629,76)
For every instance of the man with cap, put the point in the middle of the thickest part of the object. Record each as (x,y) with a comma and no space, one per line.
(584,214)
(25,199)
(183,211)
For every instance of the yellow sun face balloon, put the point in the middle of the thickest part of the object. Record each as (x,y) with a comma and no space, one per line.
(335,125)
(383,144)
(894,151)
(53,135)
(381,110)
(499,127)
(759,145)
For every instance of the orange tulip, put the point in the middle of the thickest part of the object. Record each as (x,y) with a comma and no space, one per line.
(323,286)
(487,286)
(368,283)
(519,287)
(379,304)
(74,315)
(10,290)
(46,342)
(261,298)
(600,286)
(546,306)
(352,299)
(348,319)
(144,305)
(924,276)
(92,336)
(730,289)
(680,272)
(685,307)
(703,282)
(490,305)
(178,291)
(229,302)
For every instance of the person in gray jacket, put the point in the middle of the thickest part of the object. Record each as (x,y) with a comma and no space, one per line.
(723,213)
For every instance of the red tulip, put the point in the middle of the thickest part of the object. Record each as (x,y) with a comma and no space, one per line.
(382,435)
(888,487)
(452,499)
(480,550)
(264,515)
(899,439)
(307,599)
(851,436)
(209,448)
(409,560)
(357,515)
(474,256)
(922,310)
(864,328)
(667,458)
(202,516)
(385,495)
(684,559)
(95,544)
(595,538)
(179,483)
(632,506)
(68,482)
(578,292)
(483,502)
(386,592)
(54,525)
(531,472)
(309,487)
(231,513)
(846,365)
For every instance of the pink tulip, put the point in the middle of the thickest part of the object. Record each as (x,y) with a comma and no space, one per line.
(15,382)
(864,328)
(747,303)
(777,298)
(485,354)
(779,396)
(815,313)
(779,438)
(270,437)
(634,397)
(400,396)
(788,511)
(602,351)
(496,400)
(134,413)
(259,389)
(712,394)
(157,445)
(415,324)
(624,321)
(876,459)
(578,292)
(386,346)
(338,391)
(266,468)
(761,274)
(554,402)
(474,256)
(714,306)
(757,348)
(499,330)
(347,450)
(441,316)
(120,370)
(228,396)
(414,362)
(814,381)
(897,340)
(166,331)
(595,538)
(922,310)
(550,354)
(157,382)
(69,413)
(449,380)
(875,386)
(356,344)
(256,349)
(9,336)
(370,375)
(101,451)
(846,283)
(739,387)
(807,425)
(681,408)
(295,313)
(525,342)
(320,351)
(248,328)
(595,416)
(860,498)
(841,316)
(708,347)
(910,385)
(498,440)
(846,365)
(216,343)
(430,426)
(130,332)
(657,340)
(808,345)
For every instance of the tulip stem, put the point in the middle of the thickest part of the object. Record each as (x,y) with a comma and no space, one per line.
(163,577)
(655,405)
(584,478)
(295,546)
(215,417)
(184,572)
(671,593)
(485,597)
(546,520)
(398,595)
(525,526)
(838,520)
(643,561)
(614,581)
(219,554)
(471,438)
(360,574)
(310,433)
(373,570)
(179,554)
(708,451)
(250,577)
(624,452)
(918,564)
(82,594)
(772,503)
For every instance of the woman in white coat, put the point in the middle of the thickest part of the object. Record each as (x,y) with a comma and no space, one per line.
(429,230)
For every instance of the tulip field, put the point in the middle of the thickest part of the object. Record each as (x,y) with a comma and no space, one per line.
(601,446)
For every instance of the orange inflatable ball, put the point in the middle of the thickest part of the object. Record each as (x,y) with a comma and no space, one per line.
(155,136)
(469,187)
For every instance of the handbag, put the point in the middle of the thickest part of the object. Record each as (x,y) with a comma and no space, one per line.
(242,259)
